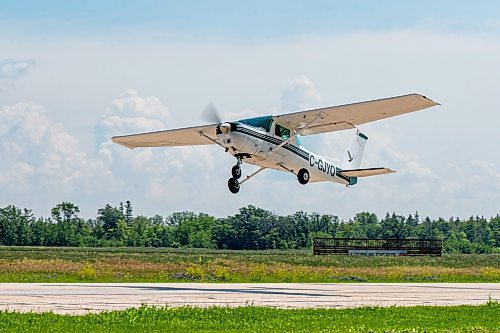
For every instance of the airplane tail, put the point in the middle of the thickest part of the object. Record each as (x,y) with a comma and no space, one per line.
(351,159)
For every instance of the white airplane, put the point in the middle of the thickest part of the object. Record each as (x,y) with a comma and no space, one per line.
(272,142)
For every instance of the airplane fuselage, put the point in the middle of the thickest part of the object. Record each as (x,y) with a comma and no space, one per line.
(255,145)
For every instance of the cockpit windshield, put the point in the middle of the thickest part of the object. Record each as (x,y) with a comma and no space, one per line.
(261,122)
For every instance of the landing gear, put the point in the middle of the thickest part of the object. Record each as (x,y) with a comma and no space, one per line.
(236,171)
(303,176)
(234,185)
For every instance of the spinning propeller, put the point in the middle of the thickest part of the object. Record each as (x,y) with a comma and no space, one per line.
(212,115)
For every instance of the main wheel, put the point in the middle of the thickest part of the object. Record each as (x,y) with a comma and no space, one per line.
(236,172)
(234,185)
(303,176)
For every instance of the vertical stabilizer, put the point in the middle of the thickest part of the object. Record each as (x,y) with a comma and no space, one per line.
(351,159)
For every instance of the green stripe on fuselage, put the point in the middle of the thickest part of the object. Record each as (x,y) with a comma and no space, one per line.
(275,141)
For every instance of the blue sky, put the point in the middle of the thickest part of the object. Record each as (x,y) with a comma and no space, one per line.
(253,19)
(75,73)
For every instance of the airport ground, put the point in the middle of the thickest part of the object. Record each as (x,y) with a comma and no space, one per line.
(114,265)
(87,266)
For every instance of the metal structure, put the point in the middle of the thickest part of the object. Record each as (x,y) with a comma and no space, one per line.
(377,247)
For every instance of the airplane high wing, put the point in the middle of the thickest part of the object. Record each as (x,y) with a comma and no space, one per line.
(337,118)
(199,135)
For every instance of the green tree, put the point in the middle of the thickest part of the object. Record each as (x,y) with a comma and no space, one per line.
(368,225)
(15,226)
(394,226)
(112,223)
(128,213)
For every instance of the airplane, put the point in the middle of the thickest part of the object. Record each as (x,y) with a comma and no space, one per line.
(272,142)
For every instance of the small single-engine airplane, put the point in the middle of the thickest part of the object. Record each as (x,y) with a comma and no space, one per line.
(272,142)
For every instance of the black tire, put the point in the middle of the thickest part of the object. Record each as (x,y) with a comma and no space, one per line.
(236,172)
(303,176)
(234,185)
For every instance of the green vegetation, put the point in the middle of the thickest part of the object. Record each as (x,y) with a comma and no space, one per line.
(251,229)
(61,264)
(484,318)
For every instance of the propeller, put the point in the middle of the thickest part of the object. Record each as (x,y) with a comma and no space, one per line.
(211,114)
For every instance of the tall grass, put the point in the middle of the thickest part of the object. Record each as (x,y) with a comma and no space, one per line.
(163,265)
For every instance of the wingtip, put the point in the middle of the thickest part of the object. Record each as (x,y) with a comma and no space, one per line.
(116,140)
(434,103)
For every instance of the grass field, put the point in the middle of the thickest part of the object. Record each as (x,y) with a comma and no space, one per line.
(484,318)
(27,264)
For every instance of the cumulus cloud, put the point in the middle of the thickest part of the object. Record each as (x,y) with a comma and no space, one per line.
(419,184)
(37,152)
(129,113)
(156,168)
(40,155)
(11,69)
(440,153)
(301,93)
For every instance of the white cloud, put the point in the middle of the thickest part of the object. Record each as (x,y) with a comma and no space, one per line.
(11,69)
(38,152)
(129,113)
(157,171)
(233,116)
(131,103)
(431,150)
(300,94)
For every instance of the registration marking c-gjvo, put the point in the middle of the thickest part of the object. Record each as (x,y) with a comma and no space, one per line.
(322,166)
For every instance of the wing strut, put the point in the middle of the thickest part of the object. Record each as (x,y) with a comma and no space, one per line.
(253,174)
(296,133)
(209,138)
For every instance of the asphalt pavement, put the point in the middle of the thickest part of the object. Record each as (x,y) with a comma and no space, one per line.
(78,298)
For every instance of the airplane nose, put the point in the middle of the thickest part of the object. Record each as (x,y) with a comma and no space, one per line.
(225,128)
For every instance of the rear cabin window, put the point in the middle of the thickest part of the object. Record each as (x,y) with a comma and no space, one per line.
(282,132)
(260,122)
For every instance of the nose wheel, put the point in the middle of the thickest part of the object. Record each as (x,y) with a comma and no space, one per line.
(233,183)
(236,171)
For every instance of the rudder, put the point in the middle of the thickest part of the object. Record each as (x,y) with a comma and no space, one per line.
(351,159)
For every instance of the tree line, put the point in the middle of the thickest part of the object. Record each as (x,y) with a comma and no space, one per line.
(252,228)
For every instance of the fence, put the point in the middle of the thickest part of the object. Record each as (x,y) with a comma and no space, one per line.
(374,247)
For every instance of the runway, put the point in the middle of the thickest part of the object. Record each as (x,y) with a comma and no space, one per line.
(79,298)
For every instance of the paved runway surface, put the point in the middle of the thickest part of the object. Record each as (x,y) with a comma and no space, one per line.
(94,297)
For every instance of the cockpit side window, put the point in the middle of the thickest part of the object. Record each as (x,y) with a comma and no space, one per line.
(260,122)
(282,132)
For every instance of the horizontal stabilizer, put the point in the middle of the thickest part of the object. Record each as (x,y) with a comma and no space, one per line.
(366,172)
